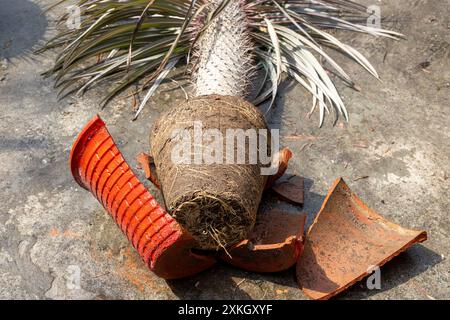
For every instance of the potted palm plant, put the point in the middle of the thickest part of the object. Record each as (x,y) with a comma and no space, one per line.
(226,45)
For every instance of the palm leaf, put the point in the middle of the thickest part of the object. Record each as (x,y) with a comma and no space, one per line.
(139,41)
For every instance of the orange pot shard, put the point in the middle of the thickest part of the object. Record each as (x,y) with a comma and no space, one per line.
(274,245)
(145,161)
(98,166)
(284,155)
(346,240)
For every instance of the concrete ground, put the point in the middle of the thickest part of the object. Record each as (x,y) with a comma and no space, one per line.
(398,139)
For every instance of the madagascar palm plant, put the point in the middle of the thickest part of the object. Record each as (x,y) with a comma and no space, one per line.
(224,44)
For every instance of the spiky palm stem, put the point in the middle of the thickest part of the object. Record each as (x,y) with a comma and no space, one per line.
(225,61)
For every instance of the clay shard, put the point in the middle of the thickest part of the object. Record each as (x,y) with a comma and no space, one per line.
(284,156)
(290,188)
(274,244)
(345,242)
(146,161)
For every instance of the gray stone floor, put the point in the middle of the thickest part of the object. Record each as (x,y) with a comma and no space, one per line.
(398,136)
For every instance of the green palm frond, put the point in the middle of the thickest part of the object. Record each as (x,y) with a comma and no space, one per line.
(139,41)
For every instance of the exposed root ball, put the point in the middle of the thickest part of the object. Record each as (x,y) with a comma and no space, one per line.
(215,201)
(220,218)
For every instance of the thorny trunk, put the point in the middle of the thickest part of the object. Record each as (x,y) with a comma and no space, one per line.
(225,61)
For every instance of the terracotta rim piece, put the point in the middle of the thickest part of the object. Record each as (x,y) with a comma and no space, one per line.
(274,245)
(98,166)
(346,240)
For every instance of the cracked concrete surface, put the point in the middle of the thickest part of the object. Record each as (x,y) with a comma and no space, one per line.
(52,232)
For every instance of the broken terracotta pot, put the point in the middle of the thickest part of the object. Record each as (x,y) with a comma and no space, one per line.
(277,239)
(345,242)
(274,244)
(98,166)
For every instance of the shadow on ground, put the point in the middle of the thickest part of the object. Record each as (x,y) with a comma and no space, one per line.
(401,269)
(22,26)
(226,282)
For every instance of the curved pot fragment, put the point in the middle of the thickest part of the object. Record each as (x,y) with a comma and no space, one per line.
(274,245)
(345,242)
(98,166)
